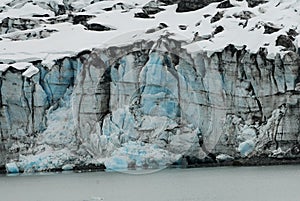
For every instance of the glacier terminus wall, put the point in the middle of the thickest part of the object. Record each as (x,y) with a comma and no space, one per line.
(151,99)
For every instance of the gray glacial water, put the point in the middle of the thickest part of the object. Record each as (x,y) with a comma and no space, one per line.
(276,183)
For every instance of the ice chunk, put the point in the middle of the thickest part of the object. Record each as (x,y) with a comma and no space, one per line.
(12,168)
(245,148)
(224,157)
(116,163)
(140,155)
(68,167)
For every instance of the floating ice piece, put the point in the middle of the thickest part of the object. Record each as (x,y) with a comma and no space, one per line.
(116,163)
(12,168)
(224,157)
(139,155)
(96,199)
(68,167)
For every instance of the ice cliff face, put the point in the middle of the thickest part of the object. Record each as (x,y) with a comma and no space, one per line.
(217,84)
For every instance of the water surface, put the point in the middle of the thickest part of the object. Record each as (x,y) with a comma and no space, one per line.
(276,183)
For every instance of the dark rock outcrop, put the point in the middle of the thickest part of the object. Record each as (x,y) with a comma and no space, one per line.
(152,8)
(254,3)
(225,4)
(271,28)
(217,17)
(190,5)
(142,15)
(286,42)
(9,25)
(98,27)
(244,15)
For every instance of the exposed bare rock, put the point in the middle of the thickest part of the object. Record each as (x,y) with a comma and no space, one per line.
(190,5)
(271,28)
(182,27)
(158,28)
(217,17)
(40,15)
(142,15)
(80,19)
(225,4)
(170,2)
(218,29)
(292,33)
(254,3)
(9,25)
(244,15)
(98,27)
(152,7)
(286,42)
(119,6)
(58,9)
(28,35)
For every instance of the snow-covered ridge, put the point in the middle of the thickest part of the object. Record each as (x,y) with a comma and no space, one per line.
(209,29)
(28,68)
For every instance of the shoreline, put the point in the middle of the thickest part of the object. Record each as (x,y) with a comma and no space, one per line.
(250,162)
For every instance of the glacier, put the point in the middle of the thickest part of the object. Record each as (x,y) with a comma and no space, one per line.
(188,86)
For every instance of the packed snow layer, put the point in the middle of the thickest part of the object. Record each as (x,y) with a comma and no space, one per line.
(238,31)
